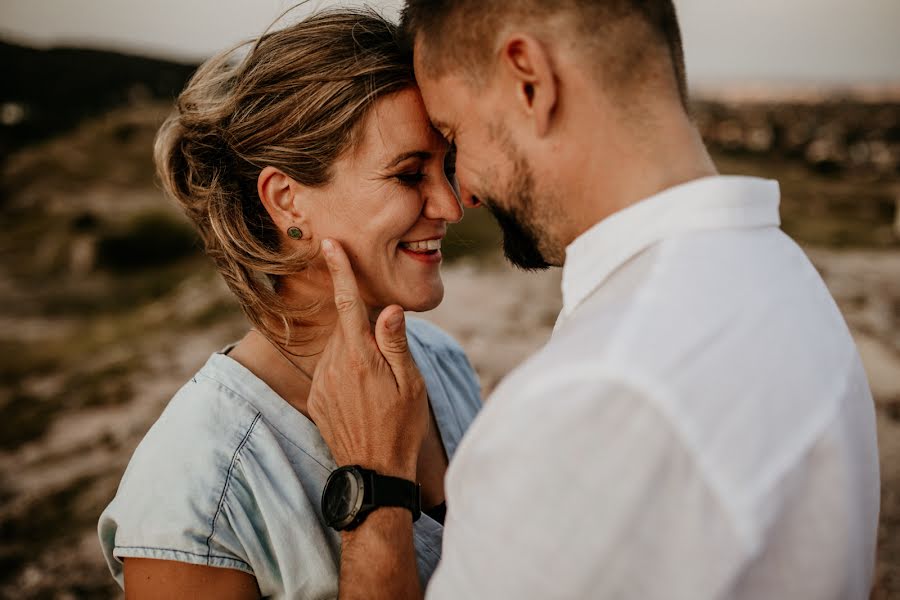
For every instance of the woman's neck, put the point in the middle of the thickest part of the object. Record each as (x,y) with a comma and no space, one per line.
(288,368)
(287,365)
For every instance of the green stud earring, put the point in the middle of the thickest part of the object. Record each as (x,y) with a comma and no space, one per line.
(295,233)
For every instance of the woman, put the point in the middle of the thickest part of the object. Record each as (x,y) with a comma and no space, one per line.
(318,132)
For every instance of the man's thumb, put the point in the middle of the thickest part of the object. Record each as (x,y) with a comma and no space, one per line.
(390,335)
(390,332)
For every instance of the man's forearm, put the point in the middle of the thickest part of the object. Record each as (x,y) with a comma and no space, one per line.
(369,401)
(378,560)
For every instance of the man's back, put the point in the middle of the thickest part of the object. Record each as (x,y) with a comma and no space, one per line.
(699,426)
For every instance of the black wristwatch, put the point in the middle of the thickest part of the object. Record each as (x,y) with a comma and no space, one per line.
(352,492)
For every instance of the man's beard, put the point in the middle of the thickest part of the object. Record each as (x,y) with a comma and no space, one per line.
(521,244)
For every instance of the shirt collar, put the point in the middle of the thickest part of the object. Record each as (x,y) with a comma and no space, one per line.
(717,202)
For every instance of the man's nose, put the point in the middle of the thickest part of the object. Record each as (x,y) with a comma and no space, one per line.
(469,200)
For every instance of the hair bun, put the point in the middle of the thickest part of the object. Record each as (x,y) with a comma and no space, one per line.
(294,102)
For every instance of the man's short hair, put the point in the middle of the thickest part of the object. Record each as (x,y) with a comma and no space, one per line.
(625,39)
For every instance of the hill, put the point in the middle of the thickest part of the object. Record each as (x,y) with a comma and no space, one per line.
(48,92)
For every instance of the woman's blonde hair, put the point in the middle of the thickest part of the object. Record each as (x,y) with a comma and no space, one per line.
(294,102)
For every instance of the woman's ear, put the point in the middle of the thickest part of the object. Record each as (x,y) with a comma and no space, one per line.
(278,193)
(529,65)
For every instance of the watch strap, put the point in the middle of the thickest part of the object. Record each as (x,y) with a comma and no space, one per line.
(385,490)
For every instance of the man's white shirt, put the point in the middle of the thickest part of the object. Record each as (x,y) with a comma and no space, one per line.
(699,425)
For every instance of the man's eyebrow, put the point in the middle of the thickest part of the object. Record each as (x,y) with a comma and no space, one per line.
(420,154)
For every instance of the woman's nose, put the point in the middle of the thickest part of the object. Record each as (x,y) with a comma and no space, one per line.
(442,203)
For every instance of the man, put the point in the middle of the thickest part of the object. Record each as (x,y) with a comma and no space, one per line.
(699,426)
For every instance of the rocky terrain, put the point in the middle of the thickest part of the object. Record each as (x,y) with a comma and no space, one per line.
(107,307)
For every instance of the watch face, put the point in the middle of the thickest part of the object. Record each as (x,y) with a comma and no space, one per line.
(342,497)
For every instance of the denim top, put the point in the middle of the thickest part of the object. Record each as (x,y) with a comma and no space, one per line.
(231,476)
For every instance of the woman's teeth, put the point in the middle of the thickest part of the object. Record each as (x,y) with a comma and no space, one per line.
(424,246)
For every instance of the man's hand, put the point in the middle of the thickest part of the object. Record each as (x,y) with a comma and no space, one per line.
(368,401)
(368,398)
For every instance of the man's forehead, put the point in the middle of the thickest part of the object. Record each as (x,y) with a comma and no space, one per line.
(424,63)
(440,95)
(435,94)
(445,91)
(418,50)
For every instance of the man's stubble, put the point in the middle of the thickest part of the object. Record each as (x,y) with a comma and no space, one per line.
(526,243)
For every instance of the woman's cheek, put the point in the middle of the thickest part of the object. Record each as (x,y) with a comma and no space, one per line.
(404,211)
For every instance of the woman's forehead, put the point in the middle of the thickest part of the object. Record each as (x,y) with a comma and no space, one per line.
(396,124)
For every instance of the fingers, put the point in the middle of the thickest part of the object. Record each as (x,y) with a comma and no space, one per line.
(390,335)
(390,332)
(351,310)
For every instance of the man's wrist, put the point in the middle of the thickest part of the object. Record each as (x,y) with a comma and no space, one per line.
(378,557)
(385,523)
(353,492)
(404,469)
(401,472)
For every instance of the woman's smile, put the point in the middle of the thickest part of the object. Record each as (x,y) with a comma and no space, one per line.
(427,251)
(394,192)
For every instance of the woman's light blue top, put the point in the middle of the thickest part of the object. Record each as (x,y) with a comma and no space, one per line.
(231,476)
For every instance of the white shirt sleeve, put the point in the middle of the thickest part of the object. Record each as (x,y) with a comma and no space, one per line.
(579,488)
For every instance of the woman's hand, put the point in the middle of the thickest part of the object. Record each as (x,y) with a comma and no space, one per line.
(368,398)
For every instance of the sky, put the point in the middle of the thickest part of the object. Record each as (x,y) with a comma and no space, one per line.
(727,42)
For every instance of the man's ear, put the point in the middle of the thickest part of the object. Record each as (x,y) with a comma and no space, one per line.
(278,194)
(530,66)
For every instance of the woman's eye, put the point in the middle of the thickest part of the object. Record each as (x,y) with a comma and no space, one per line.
(411,178)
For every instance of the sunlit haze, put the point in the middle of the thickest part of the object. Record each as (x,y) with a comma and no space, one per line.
(727,41)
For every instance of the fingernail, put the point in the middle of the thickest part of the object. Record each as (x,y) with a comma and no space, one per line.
(328,248)
(394,322)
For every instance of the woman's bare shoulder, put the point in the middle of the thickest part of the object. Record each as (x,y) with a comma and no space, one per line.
(148,578)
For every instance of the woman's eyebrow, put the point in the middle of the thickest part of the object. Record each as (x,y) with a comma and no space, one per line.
(420,154)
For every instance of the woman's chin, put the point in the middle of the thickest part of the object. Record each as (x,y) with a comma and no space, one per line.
(422,301)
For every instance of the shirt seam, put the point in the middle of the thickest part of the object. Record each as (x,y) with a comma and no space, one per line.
(444,349)
(268,423)
(206,556)
(228,477)
(647,383)
(811,434)
(425,545)
(651,394)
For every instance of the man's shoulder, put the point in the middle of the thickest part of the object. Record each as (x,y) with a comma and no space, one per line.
(575,388)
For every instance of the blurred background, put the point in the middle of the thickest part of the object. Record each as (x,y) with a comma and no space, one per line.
(107,305)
